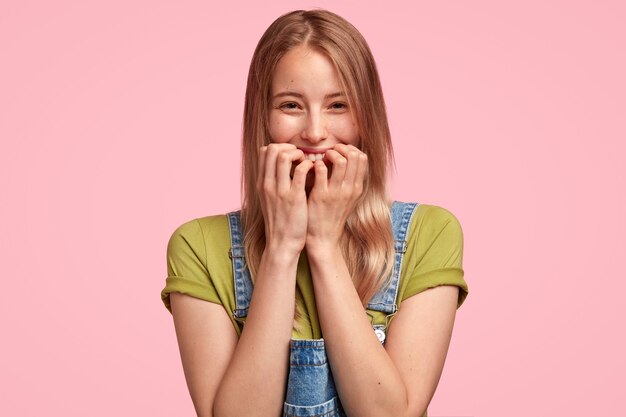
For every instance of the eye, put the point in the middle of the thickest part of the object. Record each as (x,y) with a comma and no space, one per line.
(289,106)
(339,105)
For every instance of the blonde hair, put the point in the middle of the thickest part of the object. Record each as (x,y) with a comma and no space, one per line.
(368,245)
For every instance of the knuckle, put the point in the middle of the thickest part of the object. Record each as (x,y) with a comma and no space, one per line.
(283,157)
(267,186)
(272,148)
(341,161)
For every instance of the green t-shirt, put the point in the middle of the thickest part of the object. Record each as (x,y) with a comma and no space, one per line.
(198,264)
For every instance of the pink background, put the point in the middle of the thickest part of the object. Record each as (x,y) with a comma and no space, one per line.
(120,120)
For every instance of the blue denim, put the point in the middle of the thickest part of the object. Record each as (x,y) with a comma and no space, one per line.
(310,387)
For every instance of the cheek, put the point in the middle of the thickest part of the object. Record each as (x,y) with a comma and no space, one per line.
(348,131)
(356,135)
(282,129)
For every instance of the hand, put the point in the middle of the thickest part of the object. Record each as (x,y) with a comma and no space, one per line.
(283,199)
(331,200)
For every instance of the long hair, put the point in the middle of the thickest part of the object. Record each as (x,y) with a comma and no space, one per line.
(368,240)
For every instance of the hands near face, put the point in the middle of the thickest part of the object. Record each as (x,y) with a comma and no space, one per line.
(283,199)
(334,197)
(293,221)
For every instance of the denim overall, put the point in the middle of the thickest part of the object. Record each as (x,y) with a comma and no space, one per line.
(310,387)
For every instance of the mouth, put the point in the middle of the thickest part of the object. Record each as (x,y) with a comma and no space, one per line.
(313,154)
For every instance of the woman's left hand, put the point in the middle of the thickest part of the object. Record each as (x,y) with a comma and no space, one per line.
(331,200)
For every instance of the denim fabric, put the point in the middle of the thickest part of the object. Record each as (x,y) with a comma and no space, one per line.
(243,283)
(385,299)
(310,387)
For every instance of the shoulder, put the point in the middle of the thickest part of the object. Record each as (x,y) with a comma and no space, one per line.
(198,233)
(435,233)
(434,254)
(430,220)
(427,220)
(197,227)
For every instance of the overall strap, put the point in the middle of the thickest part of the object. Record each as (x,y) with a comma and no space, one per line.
(241,274)
(385,299)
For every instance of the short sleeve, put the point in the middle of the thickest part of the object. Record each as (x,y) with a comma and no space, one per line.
(187,271)
(435,252)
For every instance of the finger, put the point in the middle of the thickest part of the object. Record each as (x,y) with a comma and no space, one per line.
(361,173)
(352,156)
(321,176)
(299,174)
(273,149)
(284,162)
(339,163)
(343,148)
(269,173)
(261,165)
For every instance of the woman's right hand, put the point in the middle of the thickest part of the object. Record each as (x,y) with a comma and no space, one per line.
(283,198)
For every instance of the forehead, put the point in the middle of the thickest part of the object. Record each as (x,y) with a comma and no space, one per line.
(306,69)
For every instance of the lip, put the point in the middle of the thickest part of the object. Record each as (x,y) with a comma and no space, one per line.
(314,150)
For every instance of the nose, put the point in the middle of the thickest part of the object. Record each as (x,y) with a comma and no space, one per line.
(315,129)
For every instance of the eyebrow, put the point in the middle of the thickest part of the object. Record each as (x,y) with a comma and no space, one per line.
(298,95)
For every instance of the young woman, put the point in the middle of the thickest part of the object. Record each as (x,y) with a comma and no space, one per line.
(285,308)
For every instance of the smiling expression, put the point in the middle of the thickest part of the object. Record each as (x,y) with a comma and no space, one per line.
(309,108)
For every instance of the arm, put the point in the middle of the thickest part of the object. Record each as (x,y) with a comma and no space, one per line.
(206,340)
(259,363)
(401,380)
(367,380)
(218,368)
(418,341)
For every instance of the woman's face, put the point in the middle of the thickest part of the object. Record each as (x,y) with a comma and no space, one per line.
(309,109)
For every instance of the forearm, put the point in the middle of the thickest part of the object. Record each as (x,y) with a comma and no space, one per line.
(259,364)
(367,380)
